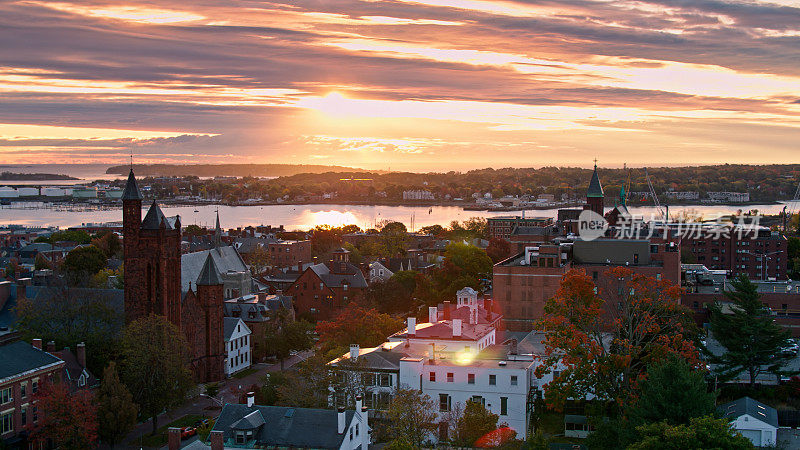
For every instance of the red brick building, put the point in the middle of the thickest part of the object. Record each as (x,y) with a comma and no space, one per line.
(323,289)
(23,369)
(152,250)
(522,284)
(757,252)
(289,253)
(503,226)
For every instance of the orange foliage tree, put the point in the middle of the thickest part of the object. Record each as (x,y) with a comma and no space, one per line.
(602,338)
(356,325)
(68,421)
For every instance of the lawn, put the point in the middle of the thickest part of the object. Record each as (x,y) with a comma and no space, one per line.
(245,372)
(160,438)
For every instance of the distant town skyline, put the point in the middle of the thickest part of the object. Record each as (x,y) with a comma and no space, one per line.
(419,85)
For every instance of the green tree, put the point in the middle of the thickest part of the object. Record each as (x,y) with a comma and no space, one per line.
(674,391)
(412,417)
(464,265)
(69,316)
(435,230)
(307,387)
(155,365)
(751,338)
(281,340)
(116,412)
(82,263)
(701,433)
(475,423)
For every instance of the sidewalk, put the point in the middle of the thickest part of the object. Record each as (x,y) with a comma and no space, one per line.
(197,404)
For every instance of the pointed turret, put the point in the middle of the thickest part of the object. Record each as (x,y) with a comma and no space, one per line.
(595,189)
(131,191)
(622,196)
(209,274)
(217,233)
(155,219)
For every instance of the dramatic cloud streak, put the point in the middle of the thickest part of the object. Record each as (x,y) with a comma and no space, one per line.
(407,84)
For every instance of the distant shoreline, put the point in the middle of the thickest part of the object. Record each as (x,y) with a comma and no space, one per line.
(13,176)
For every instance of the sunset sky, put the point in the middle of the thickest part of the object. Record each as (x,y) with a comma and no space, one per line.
(401,84)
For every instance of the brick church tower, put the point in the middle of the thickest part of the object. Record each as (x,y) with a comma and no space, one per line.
(210,358)
(152,249)
(595,195)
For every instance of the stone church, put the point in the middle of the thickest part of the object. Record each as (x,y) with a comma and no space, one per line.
(155,283)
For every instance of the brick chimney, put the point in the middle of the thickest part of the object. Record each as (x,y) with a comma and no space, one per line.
(174,438)
(446,312)
(51,347)
(217,440)
(80,354)
(37,343)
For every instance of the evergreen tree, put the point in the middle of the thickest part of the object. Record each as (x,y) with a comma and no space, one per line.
(116,412)
(751,338)
(700,433)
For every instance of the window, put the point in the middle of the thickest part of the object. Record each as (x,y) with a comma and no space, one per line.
(344,287)
(433,376)
(35,414)
(470,378)
(449,377)
(351,434)
(23,387)
(368,379)
(385,379)
(5,396)
(321,285)
(6,423)
(513,380)
(478,399)
(356,429)
(24,416)
(492,380)
(444,402)
(503,406)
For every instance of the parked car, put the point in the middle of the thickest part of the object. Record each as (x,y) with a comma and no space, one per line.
(187,432)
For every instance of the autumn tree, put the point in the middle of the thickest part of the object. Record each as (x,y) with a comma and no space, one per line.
(750,336)
(67,421)
(498,249)
(701,433)
(258,259)
(412,417)
(356,325)
(603,340)
(394,295)
(108,242)
(116,412)
(324,239)
(155,365)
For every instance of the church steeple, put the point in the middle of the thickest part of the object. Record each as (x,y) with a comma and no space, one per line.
(595,195)
(217,233)
(131,191)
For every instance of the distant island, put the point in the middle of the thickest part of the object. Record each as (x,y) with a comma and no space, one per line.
(227,170)
(11,176)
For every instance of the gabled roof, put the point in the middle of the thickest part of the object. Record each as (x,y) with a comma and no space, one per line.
(249,422)
(284,426)
(751,407)
(154,218)
(131,191)
(209,274)
(19,357)
(74,370)
(595,189)
(351,275)
(226,258)
(229,326)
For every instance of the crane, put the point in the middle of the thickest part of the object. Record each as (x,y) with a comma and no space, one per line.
(655,198)
(792,207)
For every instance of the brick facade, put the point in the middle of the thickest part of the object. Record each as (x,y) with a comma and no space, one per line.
(152,252)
